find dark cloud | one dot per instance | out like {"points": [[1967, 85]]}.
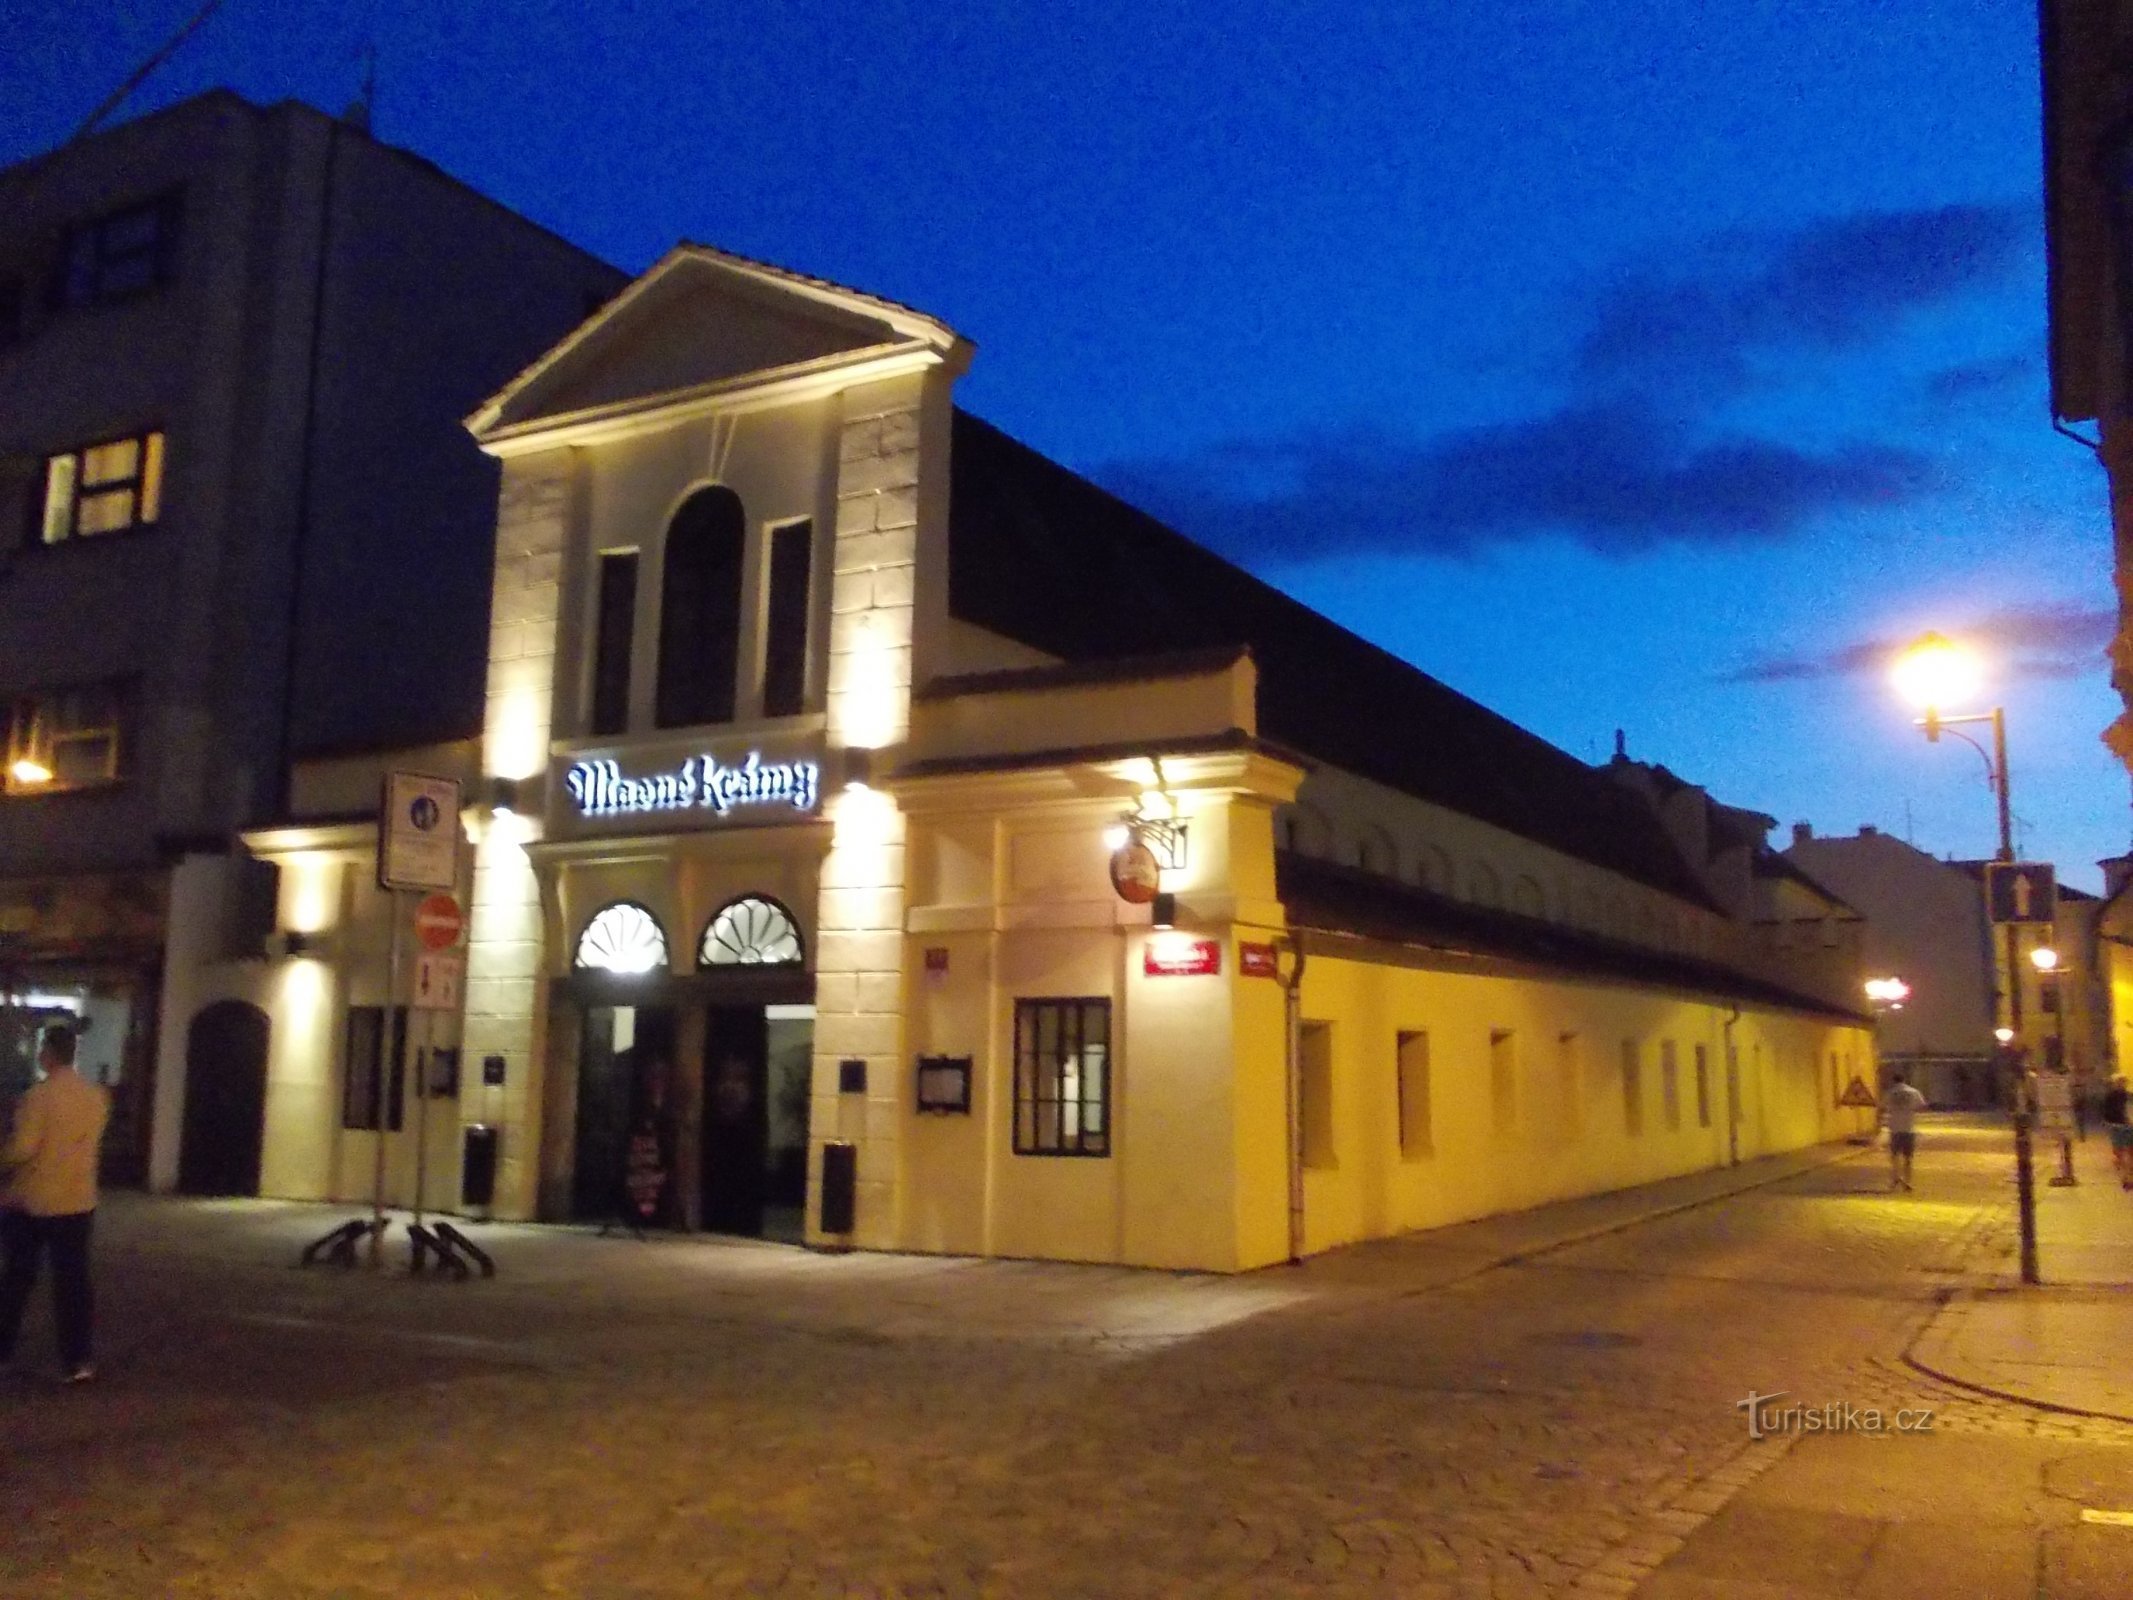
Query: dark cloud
{"points": [[1643, 446], [2048, 639], [1617, 477], [1833, 285], [1988, 379]]}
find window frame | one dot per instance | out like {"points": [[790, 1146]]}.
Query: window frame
{"points": [[787, 634], [386, 1099], [147, 485], [614, 641], [1028, 1137], [115, 725], [160, 249], [1413, 1093]]}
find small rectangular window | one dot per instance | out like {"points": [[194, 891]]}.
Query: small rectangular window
{"points": [[1063, 1077], [1669, 1085], [1412, 1066], [785, 633], [103, 488], [1570, 1084], [1503, 1080], [75, 738], [118, 256], [1703, 1087], [613, 632], [2048, 999], [1316, 1110], [1632, 1089], [359, 1070]]}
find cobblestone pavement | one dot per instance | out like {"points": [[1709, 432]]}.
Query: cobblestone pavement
{"points": [[624, 1420]]}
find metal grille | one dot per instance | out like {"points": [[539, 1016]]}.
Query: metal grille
{"points": [[1063, 1077]]}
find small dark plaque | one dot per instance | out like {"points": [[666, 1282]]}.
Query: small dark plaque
{"points": [[492, 1071], [852, 1075], [444, 1073], [944, 1085]]}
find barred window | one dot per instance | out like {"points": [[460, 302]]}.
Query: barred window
{"points": [[1062, 1077]]}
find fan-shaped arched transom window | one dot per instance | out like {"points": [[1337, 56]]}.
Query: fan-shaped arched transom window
{"points": [[751, 932], [623, 938]]}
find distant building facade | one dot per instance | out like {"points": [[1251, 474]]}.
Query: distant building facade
{"points": [[912, 845], [1927, 923], [235, 345]]}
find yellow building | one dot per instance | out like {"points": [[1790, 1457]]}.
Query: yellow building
{"points": [[893, 839]]}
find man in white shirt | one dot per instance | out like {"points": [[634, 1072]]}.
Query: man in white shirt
{"points": [[49, 1201], [1900, 1105]]}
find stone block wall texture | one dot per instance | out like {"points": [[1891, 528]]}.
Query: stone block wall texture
{"points": [[504, 1005], [860, 913]]}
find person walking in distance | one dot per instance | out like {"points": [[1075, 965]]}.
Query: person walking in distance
{"points": [[1900, 1105], [2118, 1128], [49, 1201]]}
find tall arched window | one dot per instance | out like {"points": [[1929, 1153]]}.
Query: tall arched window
{"points": [[700, 610]]}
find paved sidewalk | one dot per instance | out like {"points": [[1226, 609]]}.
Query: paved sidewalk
{"points": [[2067, 1343]]}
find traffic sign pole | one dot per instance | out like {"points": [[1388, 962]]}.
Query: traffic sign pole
{"points": [[383, 1086]]}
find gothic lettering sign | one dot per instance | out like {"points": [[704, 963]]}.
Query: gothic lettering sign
{"points": [[700, 783]]}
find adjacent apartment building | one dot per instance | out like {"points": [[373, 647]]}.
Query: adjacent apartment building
{"points": [[236, 342], [883, 835]]}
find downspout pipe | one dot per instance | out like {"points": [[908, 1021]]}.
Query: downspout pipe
{"points": [[1292, 1017]]}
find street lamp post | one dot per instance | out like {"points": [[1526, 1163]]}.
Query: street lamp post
{"points": [[1932, 673]]}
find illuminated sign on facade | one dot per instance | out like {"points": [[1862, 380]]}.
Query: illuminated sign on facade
{"points": [[599, 789]]}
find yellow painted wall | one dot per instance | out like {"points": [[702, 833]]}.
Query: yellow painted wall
{"points": [[1555, 1129]]}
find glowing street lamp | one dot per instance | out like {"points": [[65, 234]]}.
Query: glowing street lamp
{"points": [[30, 772], [1890, 993], [1935, 673]]}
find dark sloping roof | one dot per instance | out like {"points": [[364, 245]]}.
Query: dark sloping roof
{"points": [[1319, 895], [1049, 559]]}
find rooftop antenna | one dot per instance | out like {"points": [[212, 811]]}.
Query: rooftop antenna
{"points": [[140, 74], [1621, 745], [358, 114]]}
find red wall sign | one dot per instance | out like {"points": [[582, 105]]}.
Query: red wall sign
{"points": [[1181, 958], [1256, 960]]}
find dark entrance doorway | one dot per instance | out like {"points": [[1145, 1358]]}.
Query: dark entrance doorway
{"points": [[758, 1066], [225, 1100], [625, 1086]]}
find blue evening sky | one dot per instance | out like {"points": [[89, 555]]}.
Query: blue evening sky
{"points": [[1624, 363]]}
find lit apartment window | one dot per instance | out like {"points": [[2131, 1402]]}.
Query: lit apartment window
{"points": [[60, 739], [103, 488], [116, 257], [1062, 1077]]}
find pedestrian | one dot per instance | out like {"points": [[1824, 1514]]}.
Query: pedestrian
{"points": [[49, 1201], [2119, 1128], [1900, 1105]]}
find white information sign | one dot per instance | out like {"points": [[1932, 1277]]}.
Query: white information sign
{"points": [[2055, 1103], [440, 979], [418, 833]]}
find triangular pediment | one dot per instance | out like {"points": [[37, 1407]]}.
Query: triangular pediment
{"points": [[697, 321]]}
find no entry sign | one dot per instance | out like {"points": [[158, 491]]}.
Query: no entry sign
{"points": [[438, 923]]}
